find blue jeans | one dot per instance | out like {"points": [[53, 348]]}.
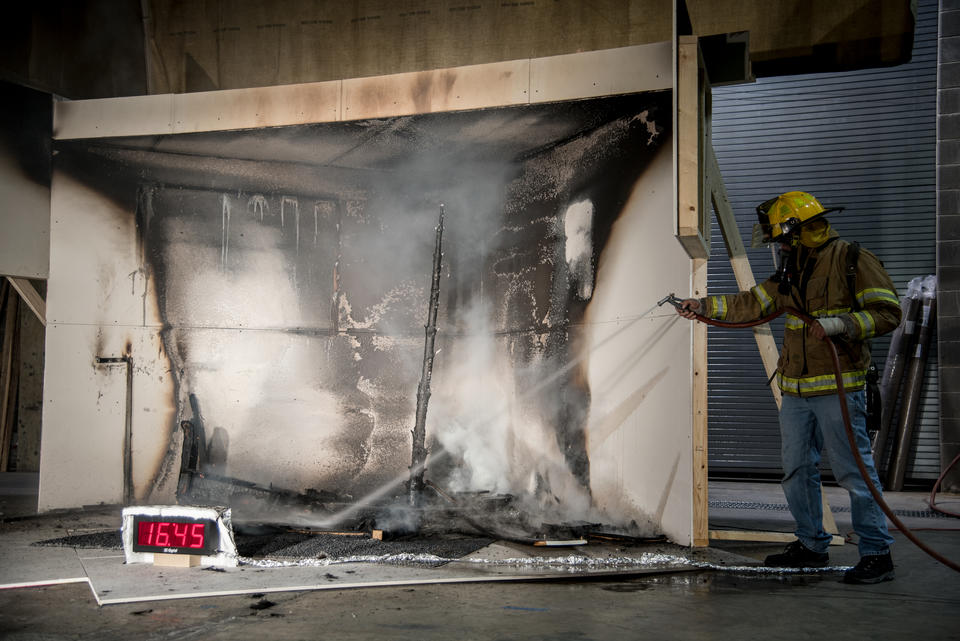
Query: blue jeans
{"points": [[806, 426]]}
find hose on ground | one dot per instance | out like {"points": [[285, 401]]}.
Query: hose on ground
{"points": [[851, 439]]}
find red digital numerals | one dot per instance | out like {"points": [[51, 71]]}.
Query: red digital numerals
{"points": [[170, 534]]}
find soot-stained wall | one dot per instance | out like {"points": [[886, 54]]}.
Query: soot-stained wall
{"points": [[280, 279], [25, 117]]}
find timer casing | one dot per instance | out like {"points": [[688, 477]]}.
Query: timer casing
{"points": [[152, 531]]}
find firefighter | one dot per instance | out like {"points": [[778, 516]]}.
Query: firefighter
{"points": [[852, 298]]}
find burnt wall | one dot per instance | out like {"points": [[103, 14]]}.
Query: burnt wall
{"points": [[292, 298]]}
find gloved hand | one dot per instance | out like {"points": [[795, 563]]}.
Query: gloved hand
{"points": [[690, 307], [828, 326]]}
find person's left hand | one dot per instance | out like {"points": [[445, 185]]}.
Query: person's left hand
{"points": [[817, 331], [821, 328]]}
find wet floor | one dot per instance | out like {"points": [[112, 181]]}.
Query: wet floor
{"points": [[923, 602], [688, 606]]}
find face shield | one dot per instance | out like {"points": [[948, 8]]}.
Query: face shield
{"points": [[767, 231]]}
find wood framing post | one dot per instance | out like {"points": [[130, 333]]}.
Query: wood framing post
{"points": [[693, 232], [9, 372], [701, 506], [740, 263], [693, 134], [31, 297]]}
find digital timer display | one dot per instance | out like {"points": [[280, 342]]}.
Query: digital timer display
{"points": [[175, 535]]}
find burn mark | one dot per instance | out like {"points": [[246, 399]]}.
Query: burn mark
{"points": [[291, 269], [431, 89]]}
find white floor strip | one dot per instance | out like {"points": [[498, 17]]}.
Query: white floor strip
{"points": [[37, 584]]}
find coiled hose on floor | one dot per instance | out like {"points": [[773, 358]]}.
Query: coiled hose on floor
{"points": [[851, 439]]}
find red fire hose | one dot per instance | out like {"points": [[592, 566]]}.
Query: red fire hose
{"points": [[838, 375]]}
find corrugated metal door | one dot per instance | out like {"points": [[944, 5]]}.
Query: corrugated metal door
{"points": [[864, 140]]}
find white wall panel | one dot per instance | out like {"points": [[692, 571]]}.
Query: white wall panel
{"points": [[25, 221], [84, 414], [96, 276], [597, 73], [553, 78], [640, 369]]}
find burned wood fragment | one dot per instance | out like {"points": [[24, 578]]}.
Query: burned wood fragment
{"points": [[419, 456]]}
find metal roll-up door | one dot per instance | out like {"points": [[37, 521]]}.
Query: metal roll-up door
{"points": [[865, 140]]}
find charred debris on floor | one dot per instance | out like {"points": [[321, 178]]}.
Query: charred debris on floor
{"points": [[288, 517]]}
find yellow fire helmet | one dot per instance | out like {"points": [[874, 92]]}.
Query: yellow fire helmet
{"points": [[781, 216]]}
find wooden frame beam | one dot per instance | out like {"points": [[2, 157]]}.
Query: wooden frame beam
{"points": [[31, 297], [741, 264], [701, 505], [9, 372], [693, 135], [763, 537]]}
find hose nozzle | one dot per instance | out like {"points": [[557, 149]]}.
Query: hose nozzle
{"points": [[672, 299]]}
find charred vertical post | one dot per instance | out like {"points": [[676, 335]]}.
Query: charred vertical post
{"points": [[419, 458]]}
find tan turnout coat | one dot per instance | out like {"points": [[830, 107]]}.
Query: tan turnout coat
{"points": [[805, 367]]}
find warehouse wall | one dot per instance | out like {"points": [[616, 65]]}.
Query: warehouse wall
{"points": [[948, 235], [237, 43], [109, 48]]}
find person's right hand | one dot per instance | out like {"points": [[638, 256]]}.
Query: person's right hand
{"points": [[689, 308]]}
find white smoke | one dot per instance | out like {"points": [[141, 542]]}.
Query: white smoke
{"points": [[491, 428]]}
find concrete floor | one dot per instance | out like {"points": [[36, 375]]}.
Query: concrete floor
{"points": [[923, 602]]}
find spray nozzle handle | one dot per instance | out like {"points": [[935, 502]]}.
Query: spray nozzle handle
{"points": [[672, 299]]}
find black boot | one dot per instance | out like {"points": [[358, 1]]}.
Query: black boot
{"points": [[797, 555], [871, 569]]}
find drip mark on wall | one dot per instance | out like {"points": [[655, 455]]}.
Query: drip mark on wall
{"points": [[258, 206], [225, 239]]}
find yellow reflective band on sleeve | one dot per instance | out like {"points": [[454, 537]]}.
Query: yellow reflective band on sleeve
{"points": [[877, 295], [766, 303], [825, 383], [865, 324], [830, 312], [718, 307], [792, 322]]}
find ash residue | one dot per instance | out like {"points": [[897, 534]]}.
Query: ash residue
{"points": [[266, 545], [107, 540], [298, 545], [333, 547]]}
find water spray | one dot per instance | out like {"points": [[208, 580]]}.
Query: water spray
{"points": [[439, 454]]}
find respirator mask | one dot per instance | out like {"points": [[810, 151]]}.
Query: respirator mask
{"points": [[783, 259]]}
